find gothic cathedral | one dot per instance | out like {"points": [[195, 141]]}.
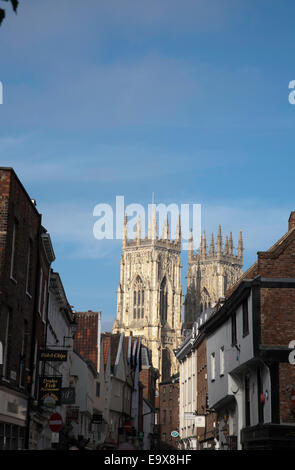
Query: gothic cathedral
{"points": [[210, 274], [149, 296]]}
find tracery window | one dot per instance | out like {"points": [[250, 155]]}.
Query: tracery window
{"points": [[163, 301], [138, 299]]}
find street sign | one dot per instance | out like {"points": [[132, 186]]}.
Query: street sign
{"points": [[189, 416], [200, 421], [175, 434], [54, 355], [49, 390], [55, 422], [67, 396]]}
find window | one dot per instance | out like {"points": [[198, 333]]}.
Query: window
{"points": [[170, 392], [245, 318], [170, 416], [164, 416], [221, 360], [213, 366], [164, 437], [11, 437], [164, 393], [138, 299], [233, 329], [163, 301]]}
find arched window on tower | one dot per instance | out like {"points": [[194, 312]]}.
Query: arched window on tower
{"points": [[138, 299], [163, 301]]}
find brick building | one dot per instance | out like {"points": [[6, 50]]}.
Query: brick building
{"points": [[25, 252], [251, 382], [87, 335], [169, 412]]}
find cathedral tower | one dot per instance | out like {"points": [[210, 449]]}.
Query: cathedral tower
{"points": [[149, 296], [210, 273]]}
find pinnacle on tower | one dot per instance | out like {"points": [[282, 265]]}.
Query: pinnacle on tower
{"points": [[219, 241], [178, 229], [211, 250], [230, 244], [225, 252], [240, 246], [125, 231], [190, 246], [203, 246], [165, 234], [150, 229], [154, 225], [138, 231]]}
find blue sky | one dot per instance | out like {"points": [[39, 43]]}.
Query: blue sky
{"points": [[188, 100]]}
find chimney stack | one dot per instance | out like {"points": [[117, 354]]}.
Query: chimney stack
{"points": [[292, 220]]}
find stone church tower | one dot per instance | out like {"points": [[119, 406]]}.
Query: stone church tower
{"points": [[149, 296], [210, 274]]}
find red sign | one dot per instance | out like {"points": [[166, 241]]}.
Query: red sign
{"points": [[55, 422]]}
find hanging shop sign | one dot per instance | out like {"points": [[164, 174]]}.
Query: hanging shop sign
{"points": [[50, 391], [68, 396], [54, 355]]}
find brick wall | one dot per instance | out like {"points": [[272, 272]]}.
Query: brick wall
{"points": [[280, 262], [16, 208], [168, 413], [277, 316]]}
